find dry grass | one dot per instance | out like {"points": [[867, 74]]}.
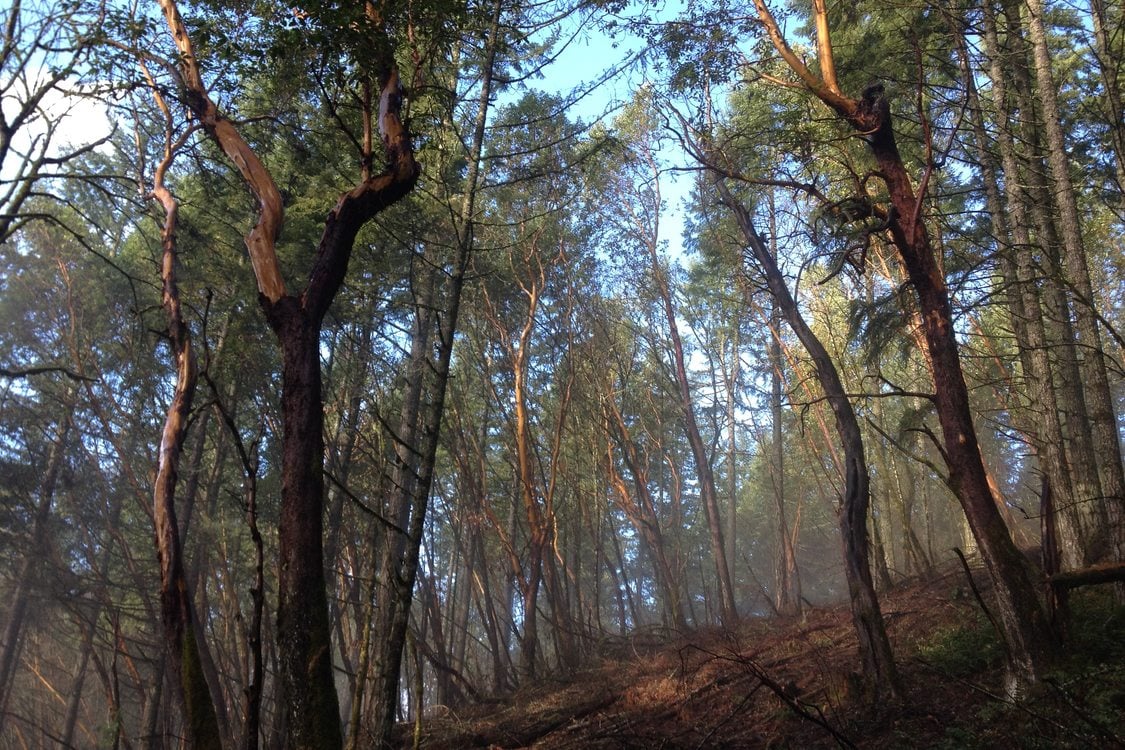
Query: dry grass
{"points": [[791, 683]]}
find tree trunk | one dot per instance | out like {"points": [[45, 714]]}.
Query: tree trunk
{"points": [[874, 646], [1026, 631], [306, 683], [1108, 50], [1076, 516], [787, 596], [1028, 639], [180, 631], [641, 512], [420, 425], [728, 612], [304, 638], [1099, 400], [28, 577], [731, 378], [1016, 265]]}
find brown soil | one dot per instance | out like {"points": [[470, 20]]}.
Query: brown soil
{"points": [[790, 683]]}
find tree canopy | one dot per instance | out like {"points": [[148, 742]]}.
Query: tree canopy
{"points": [[352, 372]]}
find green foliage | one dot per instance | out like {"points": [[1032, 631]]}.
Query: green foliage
{"points": [[963, 650], [1080, 704]]}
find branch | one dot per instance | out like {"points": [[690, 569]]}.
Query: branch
{"points": [[363, 202], [42, 369], [1095, 574], [262, 239], [826, 89]]}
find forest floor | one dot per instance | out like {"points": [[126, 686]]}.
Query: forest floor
{"points": [[790, 683]]}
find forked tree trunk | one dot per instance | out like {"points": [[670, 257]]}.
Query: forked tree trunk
{"points": [[306, 685]]}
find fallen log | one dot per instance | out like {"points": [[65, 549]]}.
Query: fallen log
{"points": [[1094, 574]]}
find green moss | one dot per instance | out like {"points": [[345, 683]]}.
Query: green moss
{"points": [[962, 650]]}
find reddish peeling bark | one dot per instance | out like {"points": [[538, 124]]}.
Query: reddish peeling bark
{"points": [[308, 694], [1026, 632]]}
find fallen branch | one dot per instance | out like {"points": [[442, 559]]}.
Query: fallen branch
{"points": [[1110, 572], [787, 694]]}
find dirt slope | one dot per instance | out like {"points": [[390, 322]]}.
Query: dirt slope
{"points": [[776, 683]]}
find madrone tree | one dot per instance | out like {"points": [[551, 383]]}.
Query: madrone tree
{"points": [[1028, 640], [307, 691]]}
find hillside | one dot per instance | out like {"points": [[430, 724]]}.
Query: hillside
{"points": [[788, 683]]}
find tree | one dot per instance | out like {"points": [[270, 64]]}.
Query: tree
{"points": [[1099, 401], [304, 641], [177, 610], [874, 647], [1028, 639], [43, 53], [417, 437], [638, 217]]}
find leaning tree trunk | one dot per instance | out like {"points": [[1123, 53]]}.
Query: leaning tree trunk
{"points": [[874, 646], [1026, 630], [1027, 635]]}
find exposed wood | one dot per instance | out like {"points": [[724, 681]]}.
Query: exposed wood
{"points": [[262, 239], [184, 655]]}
